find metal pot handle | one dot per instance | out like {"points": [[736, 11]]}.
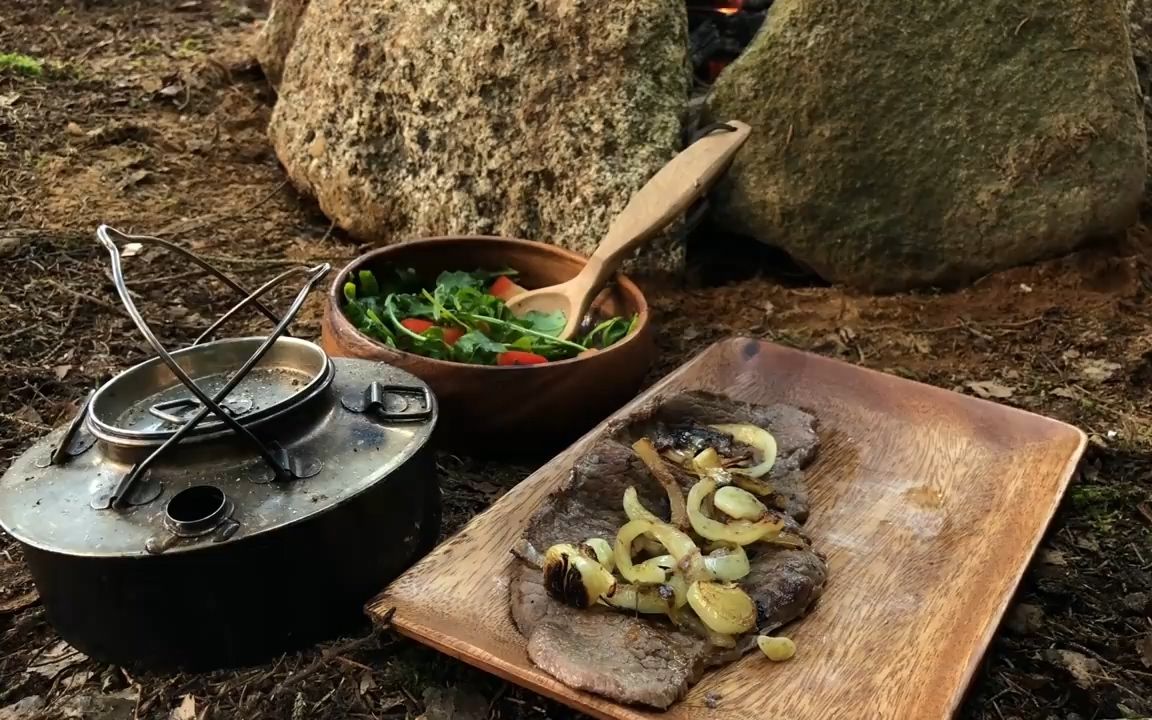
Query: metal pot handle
{"points": [[284, 466]]}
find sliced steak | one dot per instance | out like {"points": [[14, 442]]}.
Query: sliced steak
{"points": [[610, 653], [647, 660]]}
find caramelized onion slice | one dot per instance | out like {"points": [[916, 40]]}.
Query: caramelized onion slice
{"points": [[739, 504], [686, 619], [648, 599], [724, 608], [758, 438], [635, 510], [740, 532], [655, 464], [777, 649], [575, 579], [602, 551], [728, 564], [689, 561], [623, 554], [752, 485]]}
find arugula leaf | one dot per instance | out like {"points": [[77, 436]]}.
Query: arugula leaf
{"points": [[476, 347], [454, 281], [548, 323]]}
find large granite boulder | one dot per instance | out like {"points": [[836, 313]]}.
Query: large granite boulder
{"points": [[528, 119], [902, 143], [277, 36]]}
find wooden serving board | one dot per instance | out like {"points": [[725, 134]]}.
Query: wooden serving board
{"points": [[928, 503]]}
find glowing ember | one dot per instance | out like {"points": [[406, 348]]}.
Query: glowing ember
{"points": [[720, 30]]}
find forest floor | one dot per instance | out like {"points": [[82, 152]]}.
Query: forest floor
{"points": [[151, 116]]}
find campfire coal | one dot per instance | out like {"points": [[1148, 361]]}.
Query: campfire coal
{"points": [[719, 32]]}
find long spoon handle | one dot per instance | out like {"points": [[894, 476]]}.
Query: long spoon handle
{"points": [[670, 192]]}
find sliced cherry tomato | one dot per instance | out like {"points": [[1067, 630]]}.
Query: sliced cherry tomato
{"points": [[417, 325], [452, 334], [505, 289], [519, 357]]}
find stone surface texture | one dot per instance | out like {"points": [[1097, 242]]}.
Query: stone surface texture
{"points": [[531, 119], [277, 36], [898, 143]]}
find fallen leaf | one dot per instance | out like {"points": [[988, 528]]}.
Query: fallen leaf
{"points": [[1138, 603], [1053, 557], [25, 709], [1065, 393], [1145, 510], [186, 710], [29, 414], [131, 250], [134, 179], [9, 246], [18, 603], [151, 84], [112, 706], [454, 704], [9, 99], [1097, 371], [989, 390], [367, 683], [1085, 671], [61, 371], [56, 659], [1025, 619], [1146, 651], [172, 90], [1070, 354], [1087, 543]]}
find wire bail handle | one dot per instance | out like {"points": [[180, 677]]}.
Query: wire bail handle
{"points": [[273, 454]]}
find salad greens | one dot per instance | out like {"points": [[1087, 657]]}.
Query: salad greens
{"points": [[460, 319]]}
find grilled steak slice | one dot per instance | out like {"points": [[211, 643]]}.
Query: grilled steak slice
{"points": [[610, 653], [647, 660], [694, 438]]}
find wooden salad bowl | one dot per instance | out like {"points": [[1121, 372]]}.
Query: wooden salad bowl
{"points": [[532, 407]]}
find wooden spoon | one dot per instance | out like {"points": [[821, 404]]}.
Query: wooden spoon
{"points": [[667, 195]]}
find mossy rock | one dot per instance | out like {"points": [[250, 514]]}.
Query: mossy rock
{"points": [[899, 143]]}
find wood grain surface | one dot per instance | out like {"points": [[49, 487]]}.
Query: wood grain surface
{"points": [[929, 505]]}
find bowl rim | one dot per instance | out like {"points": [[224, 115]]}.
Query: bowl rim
{"points": [[336, 313]]}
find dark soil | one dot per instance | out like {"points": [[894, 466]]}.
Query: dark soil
{"points": [[150, 117]]}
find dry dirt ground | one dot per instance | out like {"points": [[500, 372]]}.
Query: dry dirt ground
{"points": [[148, 116]]}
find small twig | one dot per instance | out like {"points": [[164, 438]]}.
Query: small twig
{"points": [[328, 232], [83, 296], [1021, 26], [173, 231], [38, 427], [495, 699], [353, 663], [17, 332], [326, 656]]}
